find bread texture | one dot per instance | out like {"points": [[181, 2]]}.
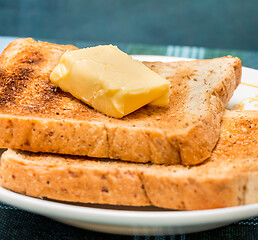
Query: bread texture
{"points": [[37, 116], [228, 178]]}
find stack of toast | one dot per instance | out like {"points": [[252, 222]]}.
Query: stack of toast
{"points": [[190, 155]]}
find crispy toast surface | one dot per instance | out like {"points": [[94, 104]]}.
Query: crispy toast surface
{"points": [[228, 178], [37, 116]]}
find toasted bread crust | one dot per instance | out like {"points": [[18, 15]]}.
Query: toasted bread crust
{"points": [[36, 116], [228, 178]]}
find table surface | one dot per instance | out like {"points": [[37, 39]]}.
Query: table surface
{"points": [[18, 224]]}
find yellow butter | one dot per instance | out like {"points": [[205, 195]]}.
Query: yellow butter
{"points": [[109, 80]]}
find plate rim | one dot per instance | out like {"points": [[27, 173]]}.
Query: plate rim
{"points": [[125, 217]]}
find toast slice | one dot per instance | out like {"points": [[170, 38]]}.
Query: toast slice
{"points": [[228, 178], [37, 116]]}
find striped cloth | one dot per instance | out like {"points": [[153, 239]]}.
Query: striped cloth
{"points": [[249, 58], [18, 224]]}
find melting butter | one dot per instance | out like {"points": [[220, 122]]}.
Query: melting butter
{"points": [[109, 80]]}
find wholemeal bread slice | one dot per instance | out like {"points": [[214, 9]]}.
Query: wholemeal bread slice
{"points": [[228, 178], [39, 117]]}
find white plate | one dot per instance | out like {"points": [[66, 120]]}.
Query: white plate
{"points": [[147, 221]]}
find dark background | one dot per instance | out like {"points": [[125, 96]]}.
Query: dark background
{"points": [[231, 24]]}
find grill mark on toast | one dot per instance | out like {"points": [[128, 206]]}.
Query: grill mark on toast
{"points": [[14, 80], [34, 58], [13, 84], [29, 75]]}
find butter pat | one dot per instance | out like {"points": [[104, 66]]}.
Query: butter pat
{"points": [[109, 80]]}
